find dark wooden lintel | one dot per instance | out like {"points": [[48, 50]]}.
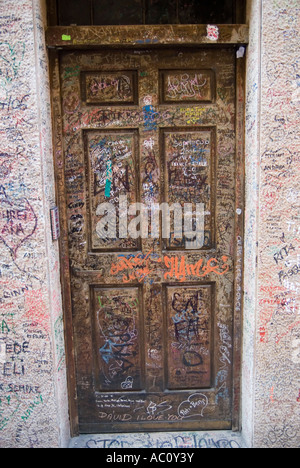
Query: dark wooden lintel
{"points": [[143, 36]]}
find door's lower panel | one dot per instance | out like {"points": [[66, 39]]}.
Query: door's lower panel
{"points": [[132, 412], [193, 382], [111, 428], [136, 412]]}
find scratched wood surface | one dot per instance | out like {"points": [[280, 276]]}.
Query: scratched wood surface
{"points": [[109, 88], [153, 319], [141, 36], [112, 161], [193, 86]]}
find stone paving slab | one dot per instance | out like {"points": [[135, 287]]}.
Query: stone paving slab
{"points": [[168, 440]]}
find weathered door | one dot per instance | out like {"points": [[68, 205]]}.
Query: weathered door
{"points": [[152, 312]]}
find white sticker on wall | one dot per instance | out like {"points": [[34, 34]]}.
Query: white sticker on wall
{"points": [[2, 352], [213, 32]]}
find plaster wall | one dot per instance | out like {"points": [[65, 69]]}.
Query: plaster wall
{"points": [[271, 349], [33, 391], [33, 396]]}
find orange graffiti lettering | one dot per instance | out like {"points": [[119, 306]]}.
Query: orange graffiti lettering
{"points": [[138, 264], [138, 267], [180, 270]]}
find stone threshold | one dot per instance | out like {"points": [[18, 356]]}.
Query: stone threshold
{"points": [[166, 440]]}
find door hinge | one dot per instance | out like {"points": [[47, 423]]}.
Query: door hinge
{"points": [[55, 225]]}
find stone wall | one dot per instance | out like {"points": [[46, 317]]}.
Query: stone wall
{"points": [[271, 357], [33, 398], [33, 394]]}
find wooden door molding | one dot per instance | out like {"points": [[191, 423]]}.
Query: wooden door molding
{"points": [[79, 37], [60, 180], [58, 159]]}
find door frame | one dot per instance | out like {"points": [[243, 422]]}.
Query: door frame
{"points": [[99, 37]]}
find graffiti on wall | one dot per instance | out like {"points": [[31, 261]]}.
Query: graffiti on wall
{"points": [[184, 440], [26, 360], [275, 190], [26, 352]]}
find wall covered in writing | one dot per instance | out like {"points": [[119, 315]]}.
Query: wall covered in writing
{"points": [[33, 396], [33, 408], [271, 370]]}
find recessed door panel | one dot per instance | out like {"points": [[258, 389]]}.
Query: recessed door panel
{"points": [[189, 311], [189, 165], [118, 339], [187, 86], [104, 88], [113, 179]]}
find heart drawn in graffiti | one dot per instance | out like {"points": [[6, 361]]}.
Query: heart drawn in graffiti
{"points": [[18, 222]]}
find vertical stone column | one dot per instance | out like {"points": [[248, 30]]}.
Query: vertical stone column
{"points": [[33, 395], [252, 155], [271, 371]]}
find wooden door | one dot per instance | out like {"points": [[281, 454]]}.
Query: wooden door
{"points": [[152, 312]]}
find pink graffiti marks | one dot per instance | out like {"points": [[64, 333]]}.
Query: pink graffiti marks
{"points": [[18, 222], [36, 310], [285, 333]]}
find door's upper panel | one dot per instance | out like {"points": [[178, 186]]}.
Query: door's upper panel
{"points": [[137, 12]]}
